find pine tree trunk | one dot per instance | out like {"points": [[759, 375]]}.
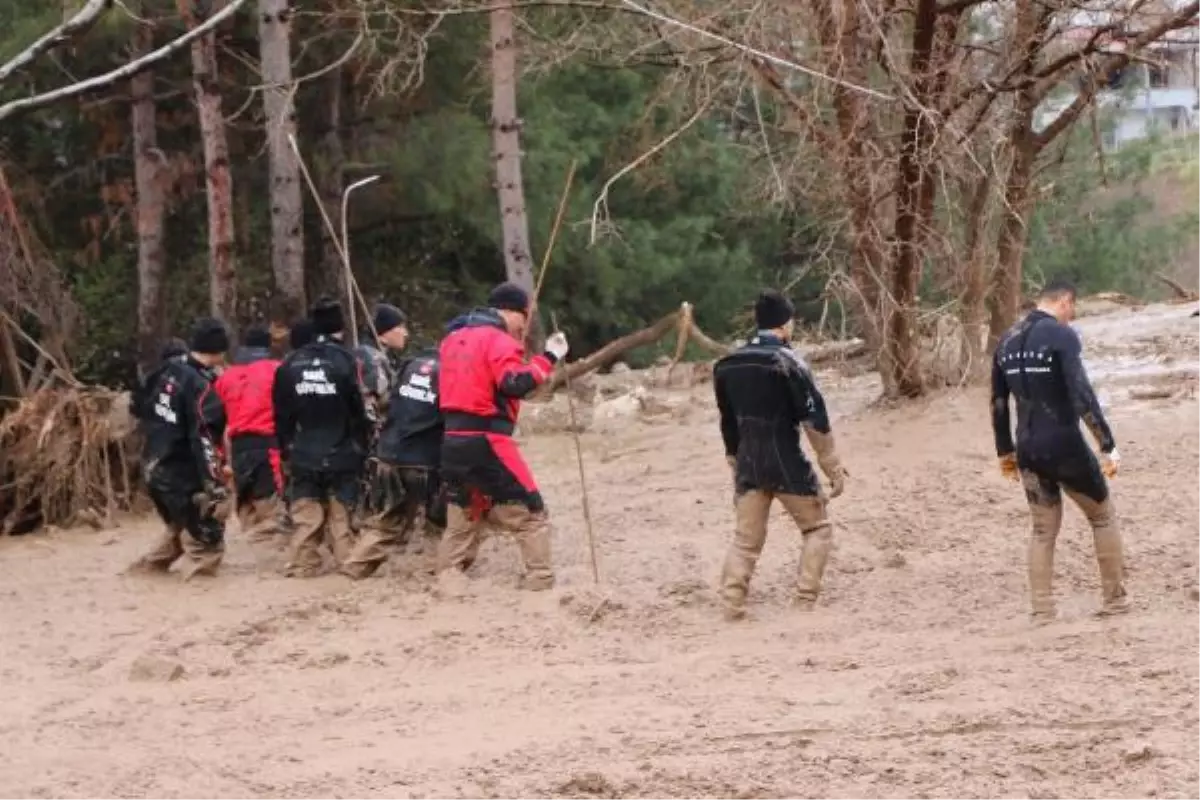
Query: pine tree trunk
{"points": [[149, 177], [506, 143], [218, 181], [287, 222], [330, 179]]}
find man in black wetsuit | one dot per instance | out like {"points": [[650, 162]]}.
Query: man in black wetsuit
{"points": [[766, 394], [1039, 361]]}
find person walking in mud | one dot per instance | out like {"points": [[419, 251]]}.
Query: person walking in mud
{"points": [[1039, 362], [245, 390], [765, 394], [182, 422], [483, 378], [322, 425], [409, 453]]}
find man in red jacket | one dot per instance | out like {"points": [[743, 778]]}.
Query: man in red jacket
{"points": [[245, 390], [483, 378]]}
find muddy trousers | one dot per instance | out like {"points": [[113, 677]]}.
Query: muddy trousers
{"points": [[1046, 511], [531, 530], [752, 510], [402, 496], [322, 513], [195, 541]]}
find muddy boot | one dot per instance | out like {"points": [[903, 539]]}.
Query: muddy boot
{"points": [[1047, 520], [308, 529], [750, 534], [1110, 556], [260, 521], [811, 517], [203, 547], [340, 531], [167, 549], [532, 533], [372, 550], [1045, 514], [460, 541]]}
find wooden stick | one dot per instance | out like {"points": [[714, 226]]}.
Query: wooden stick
{"points": [[333, 234], [558, 218], [587, 511]]}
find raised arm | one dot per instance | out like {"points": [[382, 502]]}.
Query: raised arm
{"points": [[513, 377]]}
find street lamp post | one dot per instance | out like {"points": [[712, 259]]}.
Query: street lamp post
{"points": [[350, 285]]}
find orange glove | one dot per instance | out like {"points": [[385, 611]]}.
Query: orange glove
{"points": [[1008, 467], [1110, 463]]}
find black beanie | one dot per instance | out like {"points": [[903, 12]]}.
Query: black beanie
{"points": [[173, 347], [509, 297], [327, 317], [301, 334], [772, 310], [257, 336], [388, 317], [208, 337]]}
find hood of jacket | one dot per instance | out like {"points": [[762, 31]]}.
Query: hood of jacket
{"points": [[248, 355], [475, 318]]}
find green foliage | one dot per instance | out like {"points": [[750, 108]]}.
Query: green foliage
{"points": [[1105, 224]]}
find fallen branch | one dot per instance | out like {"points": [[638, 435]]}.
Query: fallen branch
{"points": [[121, 73], [850, 348], [1181, 294], [614, 349], [84, 19]]}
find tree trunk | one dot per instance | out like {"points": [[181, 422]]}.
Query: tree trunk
{"points": [[1010, 241], [326, 279], [978, 275], [218, 181], [915, 189], [148, 163], [506, 143], [287, 210]]}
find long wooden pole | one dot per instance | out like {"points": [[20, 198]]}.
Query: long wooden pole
{"points": [[583, 492], [333, 234]]}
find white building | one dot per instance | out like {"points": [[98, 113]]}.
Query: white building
{"points": [[1159, 93]]}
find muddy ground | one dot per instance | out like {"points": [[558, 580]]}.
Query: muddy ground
{"points": [[919, 674]]}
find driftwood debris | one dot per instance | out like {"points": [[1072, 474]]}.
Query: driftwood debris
{"points": [[66, 455], [683, 322], [1182, 295]]}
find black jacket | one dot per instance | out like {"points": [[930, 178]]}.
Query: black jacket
{"points": [[183, 422], [1039, 361], [320, 418], [412, 432], [765, 393]]}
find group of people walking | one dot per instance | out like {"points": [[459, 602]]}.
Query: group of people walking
{"points": [[336, 448]]}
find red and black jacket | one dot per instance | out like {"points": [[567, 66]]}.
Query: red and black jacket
{"points": [[484, 375], [245, 390]]}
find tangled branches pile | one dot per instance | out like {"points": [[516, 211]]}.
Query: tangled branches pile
{"points": [[67, 455]]}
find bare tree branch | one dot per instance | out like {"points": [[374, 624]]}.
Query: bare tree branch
{"points": [[121, 73], [84, 18], [1181, 18]]}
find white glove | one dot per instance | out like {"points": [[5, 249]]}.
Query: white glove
{"points": [[557, 346]]}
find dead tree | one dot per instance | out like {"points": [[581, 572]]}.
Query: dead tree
{"points": [[149, 167], [506, 144], [217, 178], [287, 222]]}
